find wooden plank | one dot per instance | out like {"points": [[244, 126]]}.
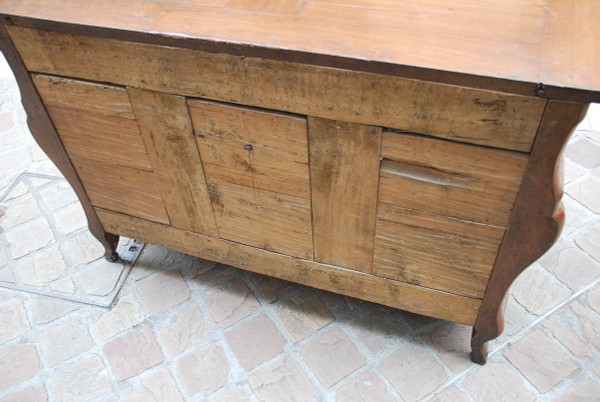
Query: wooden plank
{"points": [[278, 156], [457, 180], [120, 189], [435, 251], [274, 222], [344, 171], [167, 131], [83, 96], [463, 114], [392, 293], [100, 137]]}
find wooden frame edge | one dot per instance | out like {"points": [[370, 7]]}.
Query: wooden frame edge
{"points": [[317, 59], [536, 220]]}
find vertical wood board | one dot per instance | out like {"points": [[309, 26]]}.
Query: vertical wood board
{"points": [[167, 131], [344, 172]]}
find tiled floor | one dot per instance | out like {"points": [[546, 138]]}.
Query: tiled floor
{"points": [[188, 329]]}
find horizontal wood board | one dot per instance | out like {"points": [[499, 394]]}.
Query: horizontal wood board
{"points": [[252, 147], [445, 178], [466, 115], [435, 251], [510, 41], [264, 219], [103, 138], [83, 96], [116, 188], [94, 121], [392, 293]]}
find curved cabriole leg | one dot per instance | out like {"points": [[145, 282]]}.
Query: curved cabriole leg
{"points": [[45, 134], [535, 222], [479, 352]]}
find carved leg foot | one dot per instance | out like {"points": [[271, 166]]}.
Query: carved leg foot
{"points": [[479, 353], [110, 241], [479, 347]]}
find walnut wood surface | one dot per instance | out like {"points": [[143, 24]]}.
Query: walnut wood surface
{"points": [[251, 147], [466, 115], [536, 221], [457, 180], [166, 127], [45, 135], [514, 42], [396, 294], [344, 171], [435, 251]]}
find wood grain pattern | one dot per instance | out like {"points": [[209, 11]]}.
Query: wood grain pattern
{"points": [[535, 223], [466, 115], [515, 42], [167, 131], [396, 294], [457, 180], [116, 188], [83, 96], [435, 251], [274, 222], [44, 133], [103, 138], [570, 51], [278, 156], [344, 172]]}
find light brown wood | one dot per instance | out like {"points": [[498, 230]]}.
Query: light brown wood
{"points": [[344, 171], [570, 51], [457, 180], [517, 43], [473, 116], [103, 138], [401, 295], [167, 131], [268, 6], [116, 188], [435, 251], [277, 158], [83, 96], [274, 222]]}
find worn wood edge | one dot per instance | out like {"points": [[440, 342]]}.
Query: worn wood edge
{"points": [[317, 59], [536, 220], [44, 132], [395, 294]]}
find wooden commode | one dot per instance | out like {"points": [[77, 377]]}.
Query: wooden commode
{"points": [[406, 153]]}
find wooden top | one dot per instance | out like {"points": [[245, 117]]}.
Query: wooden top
{"points": [[505, 45]]}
